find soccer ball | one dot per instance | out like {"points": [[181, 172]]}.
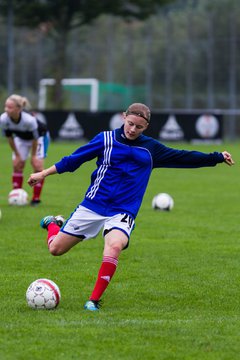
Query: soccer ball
{"points": [[43, 294], [162, 202], [18, 197], [0, 214]]}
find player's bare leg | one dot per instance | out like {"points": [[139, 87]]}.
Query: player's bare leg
{"points": [[58, 243], [62, 243], [115, 241]]}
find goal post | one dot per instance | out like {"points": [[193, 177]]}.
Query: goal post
{"points": [[94, 92]]}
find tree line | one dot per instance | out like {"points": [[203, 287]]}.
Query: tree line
{"points": [[173, 54]]}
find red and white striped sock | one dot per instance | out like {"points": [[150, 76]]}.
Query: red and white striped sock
{"points": [[105, 274]]}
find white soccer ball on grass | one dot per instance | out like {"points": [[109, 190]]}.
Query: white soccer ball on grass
{"points": [[18, 197], [163, 202], [43, 294]]}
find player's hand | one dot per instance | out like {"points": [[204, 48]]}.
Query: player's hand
{"points": [[35, 178], [228, 158]]}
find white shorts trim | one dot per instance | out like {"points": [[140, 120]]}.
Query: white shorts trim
{"points": [[86, 223]]}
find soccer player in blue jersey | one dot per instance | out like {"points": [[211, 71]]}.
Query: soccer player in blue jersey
{"points": [[125, 160], [26, 136]]}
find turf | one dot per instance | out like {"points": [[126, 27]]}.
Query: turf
{"points": [[175, 294]]}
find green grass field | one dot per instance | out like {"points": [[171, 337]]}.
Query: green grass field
{"points": [[175, 294]]}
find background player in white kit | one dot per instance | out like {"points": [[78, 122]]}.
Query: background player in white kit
{"points": [[26, 136]]}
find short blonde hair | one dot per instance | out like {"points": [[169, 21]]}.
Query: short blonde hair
{"points": [[21, 101]]}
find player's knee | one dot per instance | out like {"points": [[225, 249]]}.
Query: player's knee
{"points": [[117, 248], [18, 168], [113, 249], [55, 250]]}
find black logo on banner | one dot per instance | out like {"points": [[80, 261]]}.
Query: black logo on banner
{"points": [[71, 129], [171, 130]]}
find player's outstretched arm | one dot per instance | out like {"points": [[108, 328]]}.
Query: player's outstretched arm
{"points": [[228, 158], [39, 176]]}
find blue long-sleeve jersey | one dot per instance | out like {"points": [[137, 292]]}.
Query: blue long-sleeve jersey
{"points": [[123, 169]]}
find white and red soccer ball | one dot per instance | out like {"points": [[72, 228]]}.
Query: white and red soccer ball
{"points": [[18, 197], [43, 294]]}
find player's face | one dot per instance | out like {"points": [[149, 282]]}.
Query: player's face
{"points": [[12, 109], [134, 126]]}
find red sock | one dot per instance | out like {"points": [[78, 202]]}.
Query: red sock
{"points": [[17, 180], [53, 230], [37, 190], [106, 272]]}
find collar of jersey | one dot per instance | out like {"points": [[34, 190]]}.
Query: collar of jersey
{"points": [[121, 137]]}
